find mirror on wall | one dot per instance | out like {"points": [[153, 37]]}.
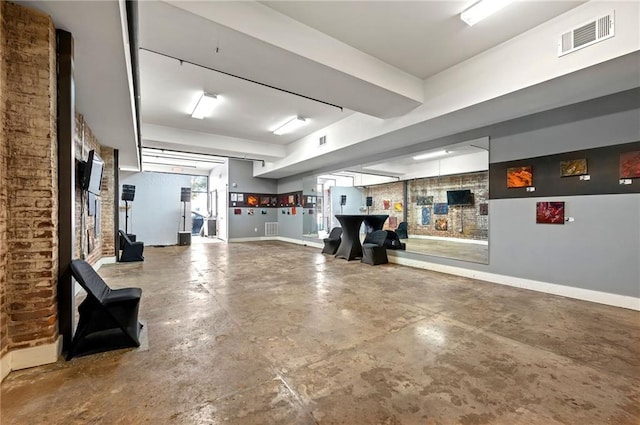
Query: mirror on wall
{"points": [[436, 199]]}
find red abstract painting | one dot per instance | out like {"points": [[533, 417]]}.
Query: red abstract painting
{"points": [[630, 165], [550, 212]]}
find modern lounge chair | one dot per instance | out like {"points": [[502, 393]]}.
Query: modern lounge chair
{"points": [[108, 317], [402, 230], [332, 243], [373, 249], [131, 251]]}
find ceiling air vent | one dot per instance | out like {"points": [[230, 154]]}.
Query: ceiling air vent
{"points": [[585, 35], [323, 140]]}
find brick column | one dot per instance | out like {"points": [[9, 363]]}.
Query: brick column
{"points": [[30, 178], [4, 336]]}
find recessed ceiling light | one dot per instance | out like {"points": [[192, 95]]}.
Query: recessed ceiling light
{"points": [[289, 126], [431, 155], [481, 10], [205, 105]]}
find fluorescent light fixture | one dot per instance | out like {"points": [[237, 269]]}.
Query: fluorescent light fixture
{"points": [[205, 106], [430, 155], [481, 10], [289, 126]]}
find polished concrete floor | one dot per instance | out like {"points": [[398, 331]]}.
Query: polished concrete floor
{"points": [[274, 333], [465, 251]]}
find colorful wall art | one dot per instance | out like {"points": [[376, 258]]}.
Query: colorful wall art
{"points": [[426, 216], [630, 165], [424, 200], [393, 222], [520, 177], [386, 204], [441, 224], [574, 167], [550, 212], [237, 211], [397, 206], [250, 211], [484, 209], [440, 208]]}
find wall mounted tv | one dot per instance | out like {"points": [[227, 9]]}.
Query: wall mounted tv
{"points": [[459, 197], [91, 175]]}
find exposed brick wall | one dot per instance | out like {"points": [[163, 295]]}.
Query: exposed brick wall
{"points": [[92, 245], [4, 336], [468, 218], [30, 177]]}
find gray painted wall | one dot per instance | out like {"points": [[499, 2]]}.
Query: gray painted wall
{"points": [[156, 213], [290, 226], [241, 180], [600, 250], [355, 200]]}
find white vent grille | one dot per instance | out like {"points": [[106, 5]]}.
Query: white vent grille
{"points": [[585, 35], [271, 229], [323, 140]]}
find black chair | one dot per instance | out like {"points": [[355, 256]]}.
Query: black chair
{"points": [[131, 251], [332, 243], [373, 249], [393, 241], [108, 317], [402, 230]]}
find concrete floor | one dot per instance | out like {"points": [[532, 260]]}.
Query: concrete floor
{"points": [[274, 333], [465, 251]]}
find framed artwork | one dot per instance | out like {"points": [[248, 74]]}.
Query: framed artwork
{"points": [[265, 200], [252, 200], [441, 224], [274, 200], [293, 210], [520, 177], [292, 199], [630, 165], [240, 197], [484, 209], [284, 211], [393, 222], [234, 197], [386, 204], [397, 206], [550, 212], [574, 167], [263, 211], [426, 216], [250, 211], [237, 211], [441, 208], [424, 200]]}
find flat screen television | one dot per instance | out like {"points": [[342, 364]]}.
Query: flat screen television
{"points": [[459, 197], [91, 178]]}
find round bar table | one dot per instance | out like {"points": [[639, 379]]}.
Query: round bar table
{"points": [[375, 222], [350, 247]]}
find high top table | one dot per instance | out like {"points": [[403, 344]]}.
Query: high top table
{"points": [[350, 247]]}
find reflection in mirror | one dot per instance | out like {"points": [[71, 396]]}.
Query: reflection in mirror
{"points": [[312, 208], [437, 200]]}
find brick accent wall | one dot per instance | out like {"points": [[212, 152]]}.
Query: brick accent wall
{"points": [[473, 224], [91, 244], [29, 178], [4, 336]]}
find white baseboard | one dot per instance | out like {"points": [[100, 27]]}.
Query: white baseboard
{"points": [[442, 238], [300, 242], [102, 261], [615, 300], [254, 239], [31, 357]]}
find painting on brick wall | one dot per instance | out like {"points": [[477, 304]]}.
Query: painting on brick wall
{"points": [[440, 208], [630, 165], [393, 222], [386, 204], [574, 167], [484, 209], [397, 207], [424, 200], [550, 212], [519, 177], [426, 216], [441, 224]]}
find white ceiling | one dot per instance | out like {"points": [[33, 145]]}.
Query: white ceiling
{"points": [[419, 37], [367, 57]]}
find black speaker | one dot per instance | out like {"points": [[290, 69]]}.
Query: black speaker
{"points": [[128, 192], [185, 194], [343, 199], [369, 201]]}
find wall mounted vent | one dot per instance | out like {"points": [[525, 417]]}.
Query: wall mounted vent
{"points": [[271, 228], [323, 140], [585, 35]]}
